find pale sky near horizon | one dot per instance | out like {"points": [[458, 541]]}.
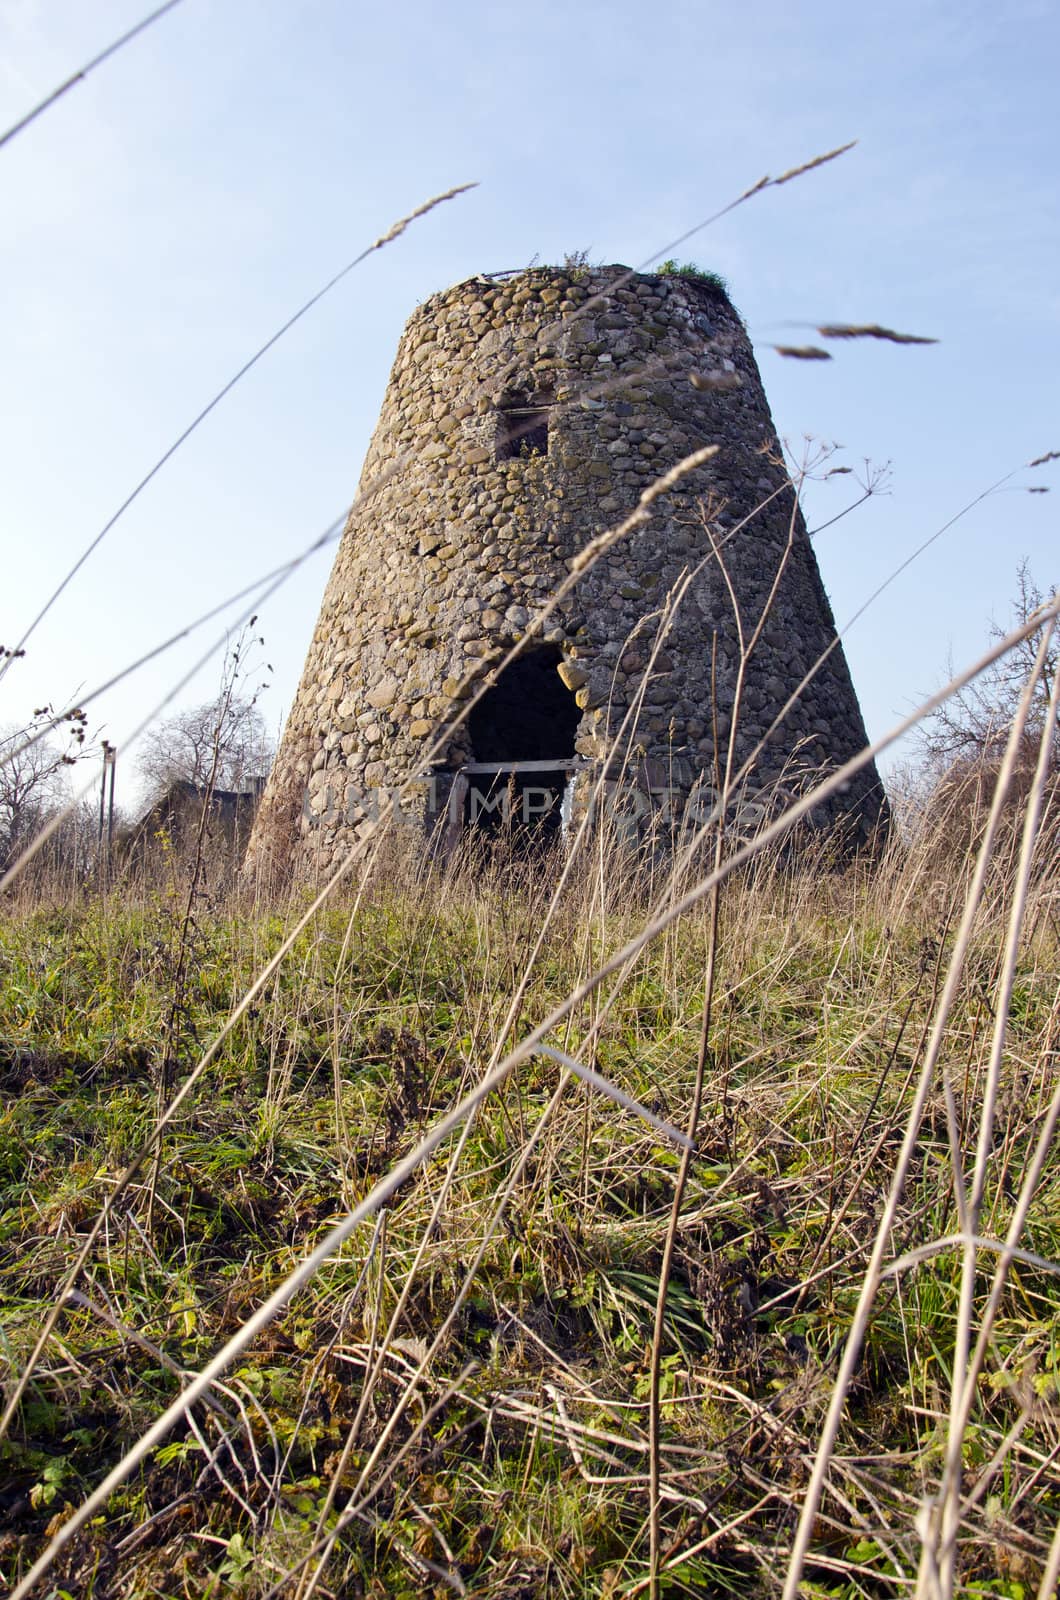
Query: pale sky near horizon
{"points": [[175, 208]]}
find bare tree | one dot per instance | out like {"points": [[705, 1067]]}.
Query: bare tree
{"points": [[33, 778], [962, 744], [972, 727], [223, 744]]}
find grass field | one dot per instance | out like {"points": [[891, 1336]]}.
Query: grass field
{"points": [[459, 1398], [598, 1224]]}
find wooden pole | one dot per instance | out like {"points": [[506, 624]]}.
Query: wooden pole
{"points": [[113, 758]]}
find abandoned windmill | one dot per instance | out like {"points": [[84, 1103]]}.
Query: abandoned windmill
{"points": [[525, 415]]}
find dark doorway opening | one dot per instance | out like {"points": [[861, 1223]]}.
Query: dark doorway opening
{"points": [[523, 428], [523, 729], [528, 714]]}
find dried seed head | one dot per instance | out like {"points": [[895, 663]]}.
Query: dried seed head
{"points": [[803, 352], [870, 330], [717, 380], [398, 228], [817, 161]]}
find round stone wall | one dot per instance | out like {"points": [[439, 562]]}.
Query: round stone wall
{"points": [[524, 416]]}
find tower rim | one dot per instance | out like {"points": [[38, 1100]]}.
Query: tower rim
{"points": [[601, 277]]}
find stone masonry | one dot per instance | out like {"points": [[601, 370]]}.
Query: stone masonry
{"points": [[524, 416]]}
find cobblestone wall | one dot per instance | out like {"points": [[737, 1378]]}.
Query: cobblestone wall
{"points": [[523, 417]]}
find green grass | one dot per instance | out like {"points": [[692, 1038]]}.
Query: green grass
{"points": [[520, 1462], [688, 269]]}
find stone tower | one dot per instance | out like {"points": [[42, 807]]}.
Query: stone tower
{"points": [[526, 414]]}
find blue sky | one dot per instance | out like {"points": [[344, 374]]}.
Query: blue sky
{"points": [[164, 218]]}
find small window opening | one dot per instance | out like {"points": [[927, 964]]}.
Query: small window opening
{"points": [[523, 429]]}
